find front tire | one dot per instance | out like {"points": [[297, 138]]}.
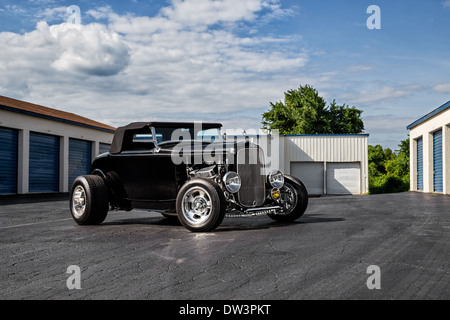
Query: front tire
{"points": [[89, 200], [295, 198], [200, 205]]}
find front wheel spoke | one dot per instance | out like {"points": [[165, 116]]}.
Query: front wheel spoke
{"points": [[289, 199], [202, 194], [197, 205], [190, 199]]}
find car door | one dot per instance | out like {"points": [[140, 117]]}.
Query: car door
{"points": [[146, 176]]}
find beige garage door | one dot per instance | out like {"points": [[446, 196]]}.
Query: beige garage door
{"points": [[343, 178], [311, 174]]}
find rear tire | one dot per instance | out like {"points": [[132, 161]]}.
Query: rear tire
{"points": [[200, 205], [293, 191], [89, 200]]}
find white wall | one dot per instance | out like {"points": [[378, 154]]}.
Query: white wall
{"points": [[329, 149], [26, 124], [426, 130]]}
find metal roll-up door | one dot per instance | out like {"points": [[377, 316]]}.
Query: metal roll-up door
{"points": [[80, 155], [104, 148], [437, 162], [8, 161], [311, 174], [420, 164], [44, 163], [343, 178]]}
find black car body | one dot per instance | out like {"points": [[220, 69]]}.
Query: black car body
{"points": [[185, 170]]}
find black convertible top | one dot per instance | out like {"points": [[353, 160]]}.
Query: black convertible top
{"points": [[145, 127]]}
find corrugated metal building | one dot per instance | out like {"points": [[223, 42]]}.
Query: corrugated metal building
{"points": [[43, 149], [430, 151], [327, 164]]}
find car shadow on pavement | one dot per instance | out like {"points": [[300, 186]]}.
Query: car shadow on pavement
{"points": [[255, 225], [229, 224], [317, 218], [162, 221]]}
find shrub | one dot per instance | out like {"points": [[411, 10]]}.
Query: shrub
{"points": [[388, 184]]}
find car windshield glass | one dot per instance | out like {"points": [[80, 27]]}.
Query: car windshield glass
{"points": [[177, 134], [145, 138], [210, 135]]}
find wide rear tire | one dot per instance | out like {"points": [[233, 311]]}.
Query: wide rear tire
{"points": [[89, 200]]}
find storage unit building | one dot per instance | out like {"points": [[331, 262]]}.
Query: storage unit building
{"points": [[430, 151], [43, 149], [327, 164], [80, 158], [43, 174], [8, 160]]}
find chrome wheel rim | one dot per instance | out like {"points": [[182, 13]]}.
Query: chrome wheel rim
{"points": [[79, 202], [196, 205], [289, 197]]}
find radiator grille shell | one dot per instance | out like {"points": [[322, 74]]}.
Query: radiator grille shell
{"points": [[250, 167]]}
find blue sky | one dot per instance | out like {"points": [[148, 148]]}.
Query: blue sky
{"points": [[227, 60]]}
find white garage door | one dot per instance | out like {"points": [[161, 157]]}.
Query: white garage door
{"points": [[343, 178], [311, 174]]}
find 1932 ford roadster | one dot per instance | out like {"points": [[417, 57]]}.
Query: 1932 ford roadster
{"points": [[185, 170]]}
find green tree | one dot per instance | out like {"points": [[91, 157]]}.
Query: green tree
{"points": [[389, 171], [398, 166], [305, 112], [377, 160], [343, 119]]}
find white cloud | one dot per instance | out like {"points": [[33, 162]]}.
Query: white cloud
{"points": [[172, 65], [387, 129], [100, 13], [88, 50], [387, 123], [385, 93], [53, 14], [446, 3], [442, 87], [14, 9], [42, 2], [207, 12], [91, 50], [360, 68]]}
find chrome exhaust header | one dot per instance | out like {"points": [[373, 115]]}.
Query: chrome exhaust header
{"points": [[253, 212]]}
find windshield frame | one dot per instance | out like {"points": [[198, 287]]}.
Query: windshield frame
{"points": [[193, 131]]}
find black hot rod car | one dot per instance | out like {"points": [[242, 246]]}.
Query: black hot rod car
{"points": [[185, 170]]}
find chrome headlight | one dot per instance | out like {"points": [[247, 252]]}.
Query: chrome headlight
{"points": [[276, 179], [232, 182]]}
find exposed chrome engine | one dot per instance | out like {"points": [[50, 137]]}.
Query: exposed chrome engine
{"points": [[246, 190]]}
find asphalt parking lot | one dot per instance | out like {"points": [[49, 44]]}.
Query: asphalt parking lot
{"points": [[139, 255]]}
